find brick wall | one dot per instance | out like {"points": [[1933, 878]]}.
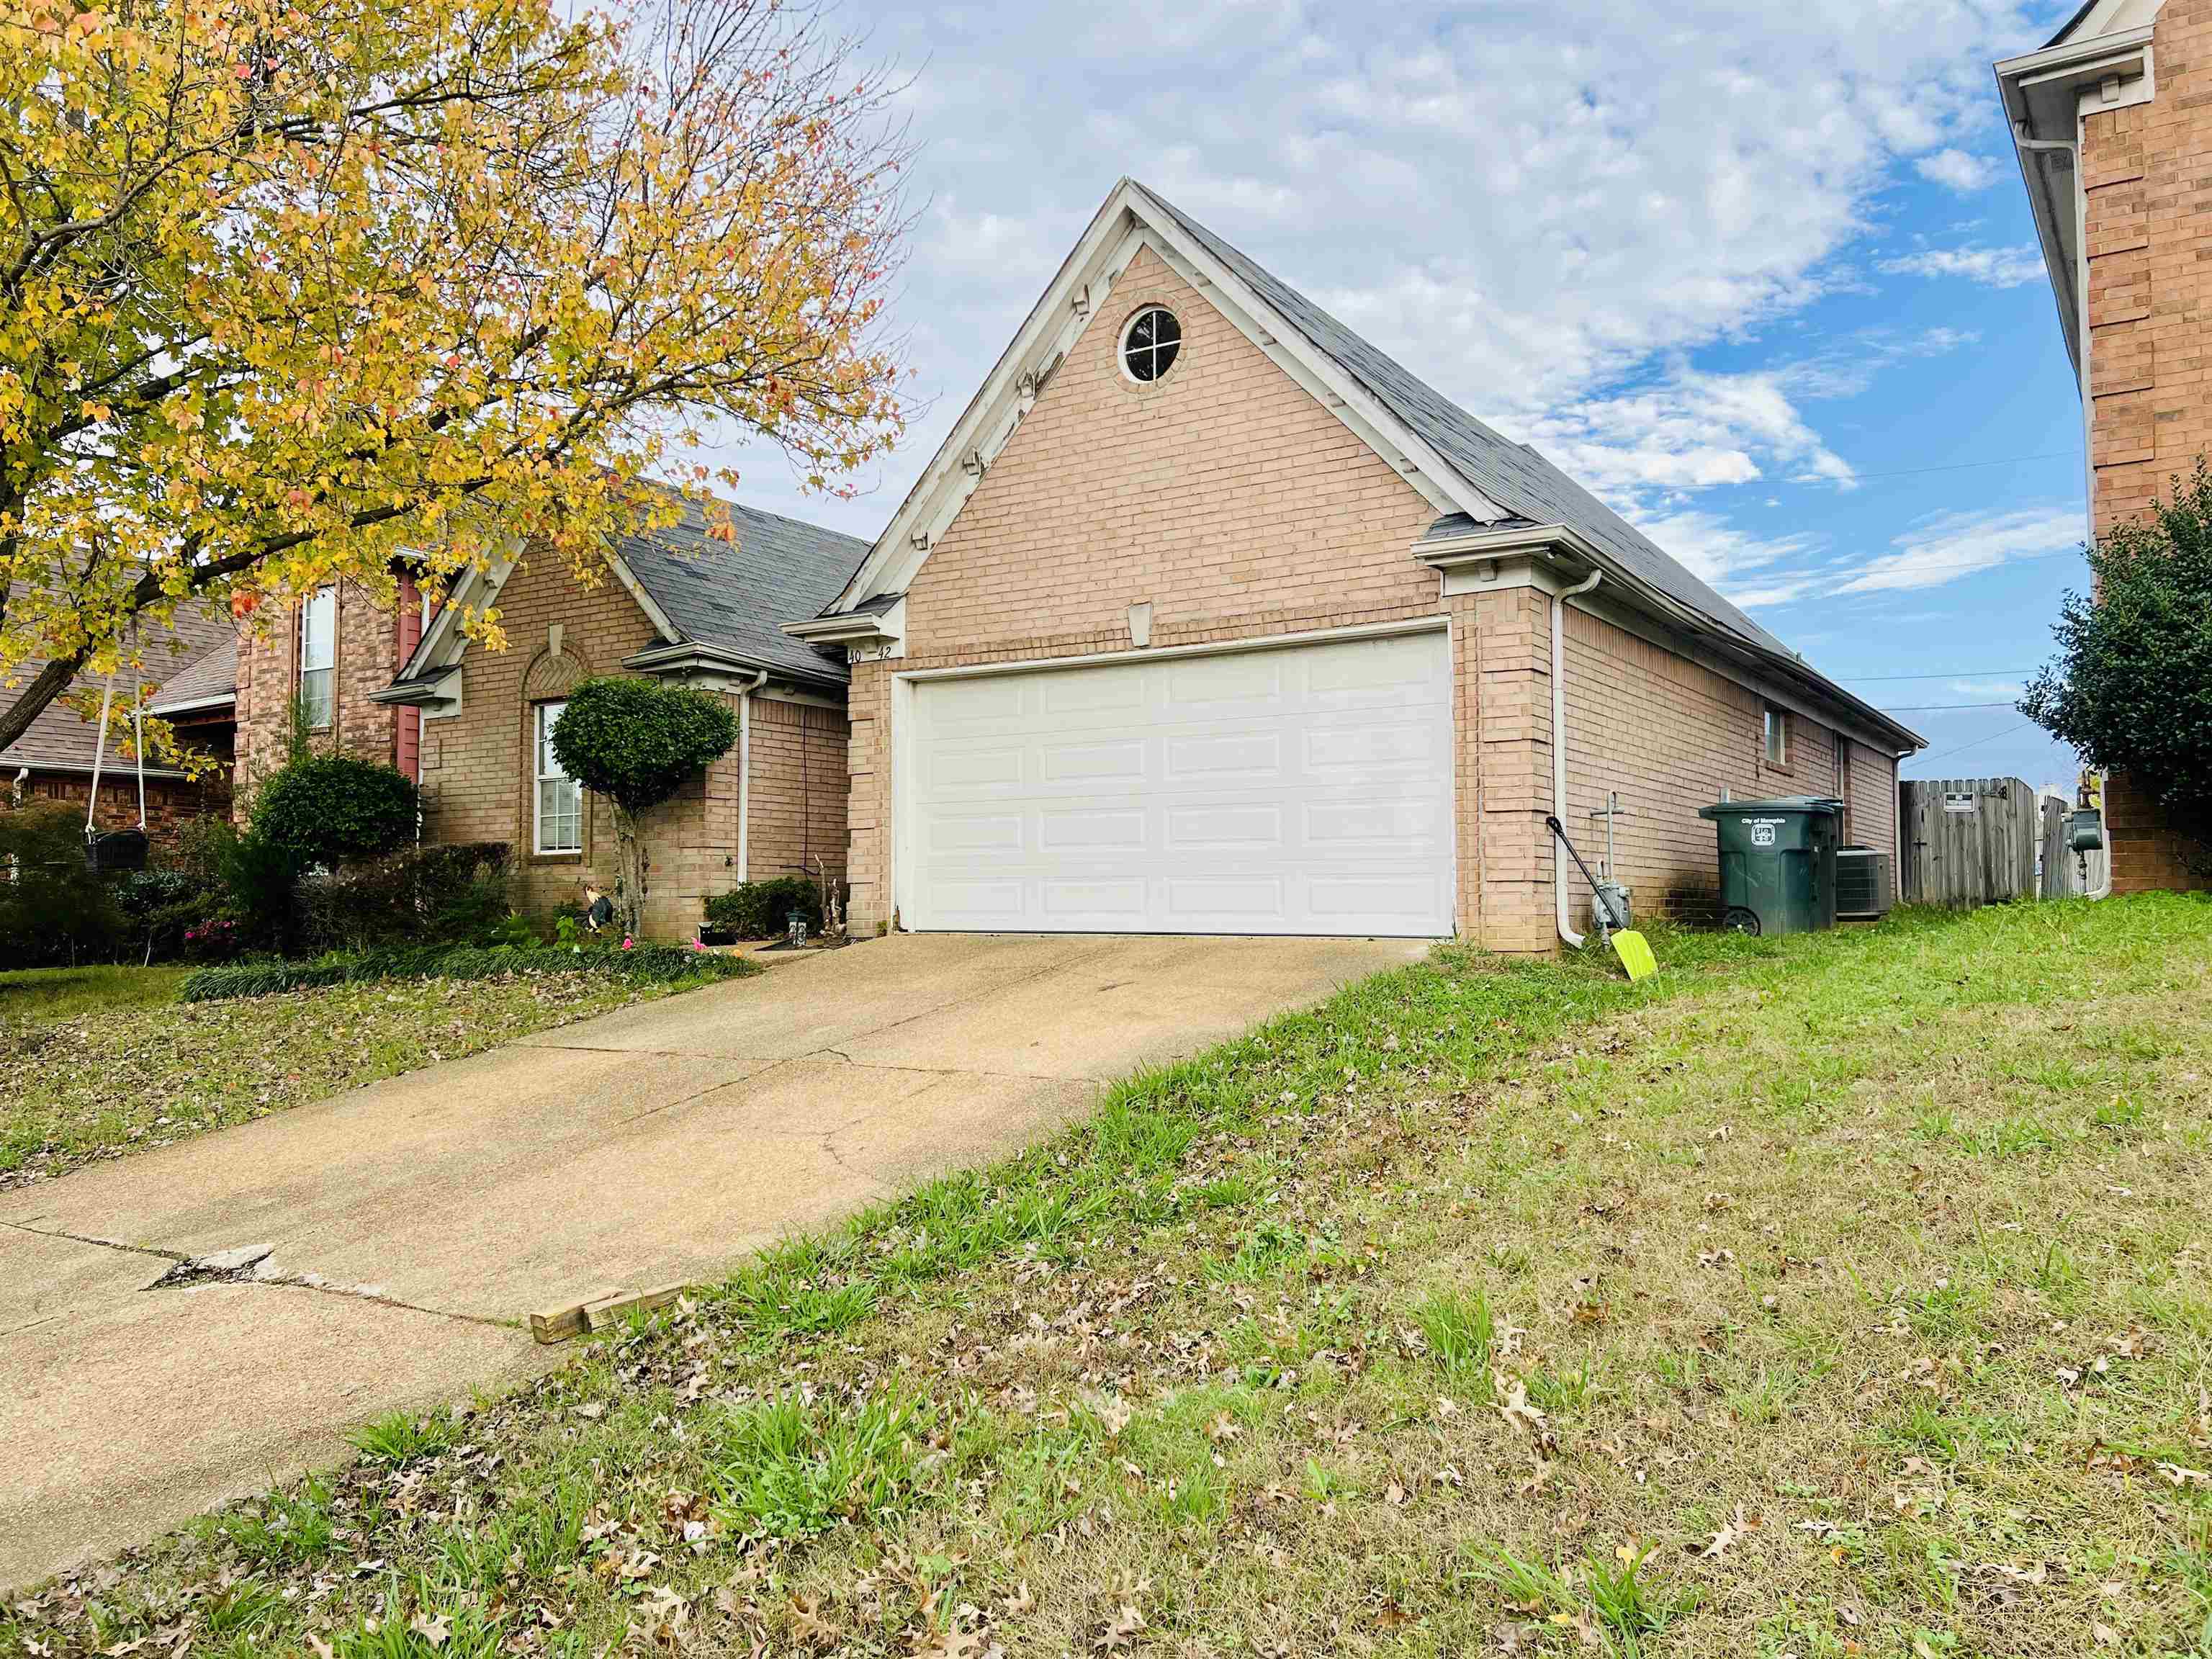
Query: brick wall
{"points": [[799, 785], [367, 655], [2149, 242], [170, 802], [1669, 736]]}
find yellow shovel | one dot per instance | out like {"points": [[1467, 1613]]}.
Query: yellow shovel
{"points": [[1631, 946]]}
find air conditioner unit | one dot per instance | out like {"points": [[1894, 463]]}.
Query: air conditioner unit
{"points": [[1865, 884]]}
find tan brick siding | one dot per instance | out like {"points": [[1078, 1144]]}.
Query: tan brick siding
{"points": [[2149, 243], [1669, 736], [796, 804], [366, 657]]}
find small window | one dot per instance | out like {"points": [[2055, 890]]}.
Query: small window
{"points": [[1151, 344], [560, 799], [1777, 735], [318, 656]]}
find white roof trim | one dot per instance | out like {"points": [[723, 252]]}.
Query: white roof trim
{"points": [[1129, 221], [443, 644]]}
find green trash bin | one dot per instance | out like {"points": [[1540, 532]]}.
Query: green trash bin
{"points": [[1777, 863]]}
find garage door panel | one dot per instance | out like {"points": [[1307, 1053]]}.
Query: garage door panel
{"points": [[1245, 756], [1091, 831], [1244, 682], [1091, 764], [1223, 826], [1293, 790]]}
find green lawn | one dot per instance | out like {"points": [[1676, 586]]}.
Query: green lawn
{"points": [[1846, 1295], [101, 1061]]}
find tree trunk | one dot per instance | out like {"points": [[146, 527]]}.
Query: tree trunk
{"points": [[630, 874]]}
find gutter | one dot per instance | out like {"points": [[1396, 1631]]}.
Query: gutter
{"points": [[690, 653], [1567, 932]]}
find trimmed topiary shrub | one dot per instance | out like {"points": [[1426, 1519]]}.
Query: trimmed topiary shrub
{"points": [[332, 809], [762, 909], [637, 742]]}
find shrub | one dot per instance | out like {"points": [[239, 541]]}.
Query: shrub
{"points": [[2131, 689], [644, 964], [444, 895], [52, 909], [762, 909], [637, 742], [160, 904], [258, 877], [328, 809]]}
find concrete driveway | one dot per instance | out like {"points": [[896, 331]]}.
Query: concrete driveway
{"points": [[415, 1223]]}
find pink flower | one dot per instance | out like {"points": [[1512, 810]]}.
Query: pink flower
{"points": [[699, 944], [627, 942]]}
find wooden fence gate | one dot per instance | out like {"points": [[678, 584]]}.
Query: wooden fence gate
{"points": [[1968, 842], [2066, 874]]}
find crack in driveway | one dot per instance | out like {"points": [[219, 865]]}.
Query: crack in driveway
{"points": [[187, 1272]]}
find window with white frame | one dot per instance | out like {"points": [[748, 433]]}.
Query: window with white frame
{"points": [[1777, 735], [319, 629], [559, 798]]}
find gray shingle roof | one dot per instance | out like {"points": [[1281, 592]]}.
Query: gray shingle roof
{"points": [[61, 739], [735, 597], [1512, 475], [210, 679]]}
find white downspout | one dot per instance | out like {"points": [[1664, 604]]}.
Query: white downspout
{"points": [[745, 769], [1567, 932]]}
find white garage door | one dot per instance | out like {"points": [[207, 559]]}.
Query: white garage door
{"points": [[1303, 789]]}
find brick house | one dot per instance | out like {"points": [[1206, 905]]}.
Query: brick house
{"points": [[2111, 125], [190, 674], [1210, 618], [335, 652], [472, 723]]}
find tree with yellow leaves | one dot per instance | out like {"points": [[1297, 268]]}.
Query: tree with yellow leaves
{"points": [[291, 294]]}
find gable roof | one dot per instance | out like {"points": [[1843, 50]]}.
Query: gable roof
{"points": [[60, 739], [1514, 476], [725, 597], [1477, 480], [735, 596]]}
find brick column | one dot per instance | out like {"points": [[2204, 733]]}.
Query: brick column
{"points": [[1513, 760]]}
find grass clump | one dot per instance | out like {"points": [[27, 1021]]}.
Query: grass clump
{"points": [[1459, 1329], [785, 1469], [401, 1436]]}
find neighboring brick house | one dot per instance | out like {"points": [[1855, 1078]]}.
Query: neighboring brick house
{"points": [[190, 671], [2112, 120], [1209, 618], [683, 606]]}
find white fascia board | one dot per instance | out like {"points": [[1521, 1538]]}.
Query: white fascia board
{"points": [[851, 626], [1125, 224], [1047, 319], [442, 641]]}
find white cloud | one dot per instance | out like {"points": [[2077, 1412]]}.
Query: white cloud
{"points": [[1752, 570], [1532, 203], [1952, 546], [1993, 267], [1955, 169]]}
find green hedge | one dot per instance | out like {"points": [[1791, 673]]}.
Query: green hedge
{"points": [[762, 909], [643, 964]]}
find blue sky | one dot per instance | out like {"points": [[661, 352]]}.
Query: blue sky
{"points": [[1763, 277]]}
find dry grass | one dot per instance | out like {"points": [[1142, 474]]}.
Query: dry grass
{"points": [[1848, 1294], [102, 1062]]}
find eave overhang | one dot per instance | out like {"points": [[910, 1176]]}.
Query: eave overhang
{"points": [[1560, 554], [2045, 94]]}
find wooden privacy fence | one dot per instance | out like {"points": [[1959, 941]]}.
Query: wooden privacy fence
{"points": [[1968, 842], [2066, 874]]}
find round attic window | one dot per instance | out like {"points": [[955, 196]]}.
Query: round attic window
{"points": [[1151, 344]]}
